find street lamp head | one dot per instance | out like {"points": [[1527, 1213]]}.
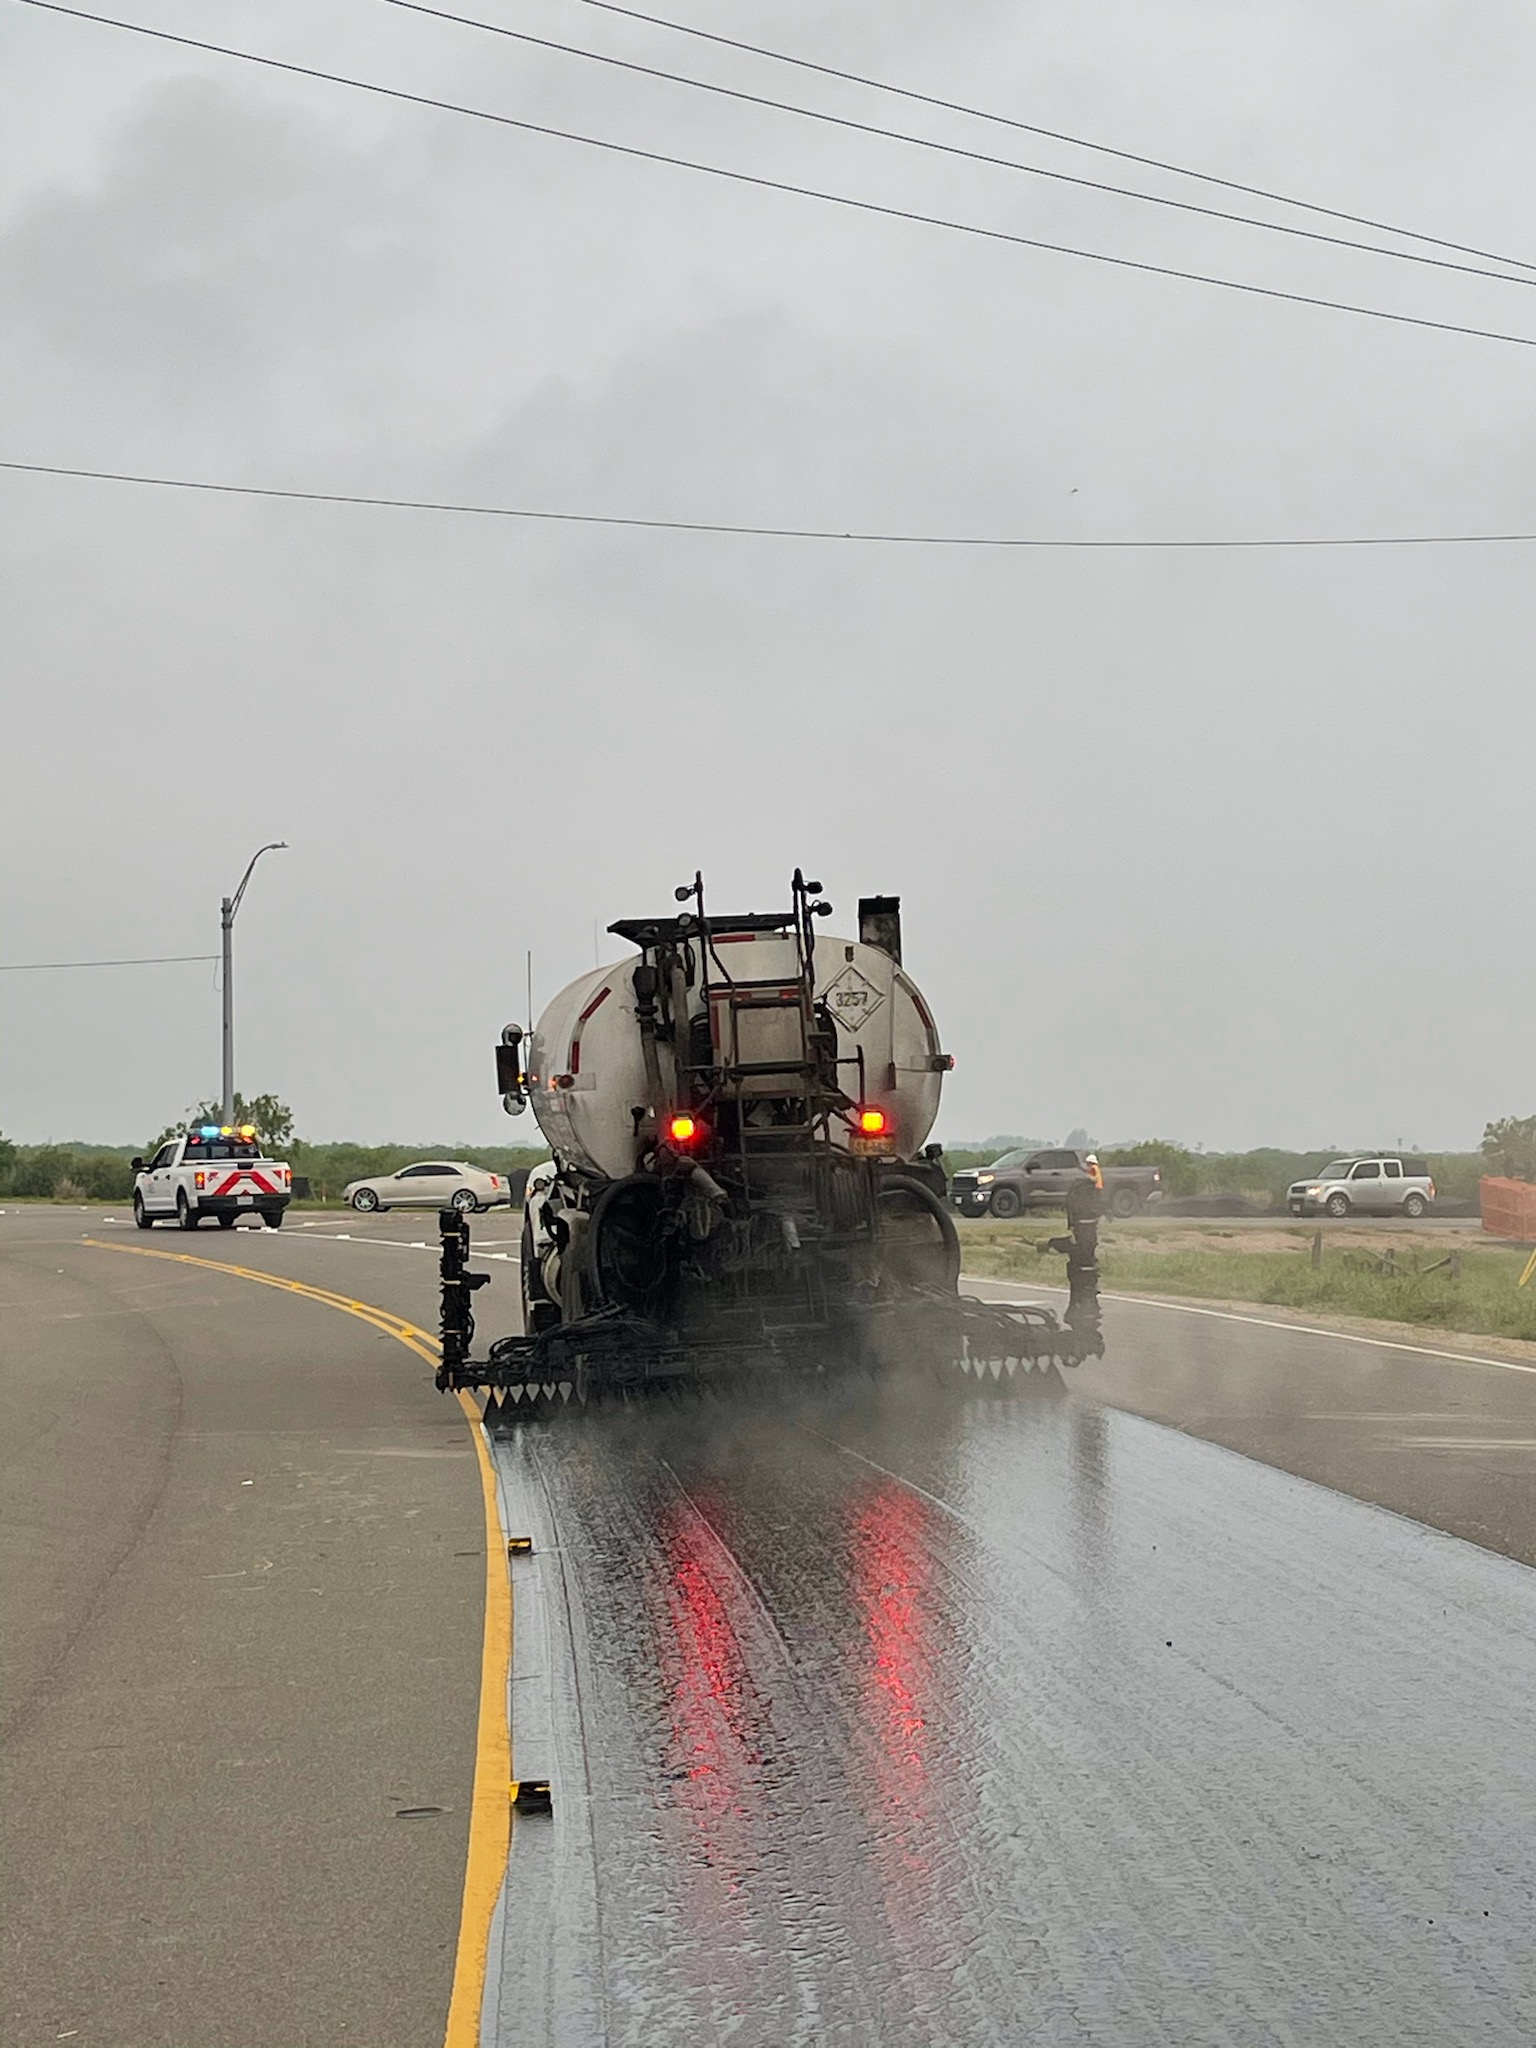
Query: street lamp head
{"points": [[227, 911], [272, 846]]}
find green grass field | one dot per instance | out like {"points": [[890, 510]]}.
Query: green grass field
{"points": [[1481, 1298]]}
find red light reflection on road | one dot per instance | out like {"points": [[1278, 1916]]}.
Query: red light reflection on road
{"points": [[891, 1585], [719, 1721]]}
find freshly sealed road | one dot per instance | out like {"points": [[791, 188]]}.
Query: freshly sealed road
{"points": [[896, 1720], [1004, 1722]]}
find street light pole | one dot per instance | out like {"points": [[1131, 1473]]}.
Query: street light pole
{"points": [[227, 911]]}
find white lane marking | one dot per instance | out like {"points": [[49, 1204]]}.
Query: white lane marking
{"points": [[1471, 1443], [1227, 1315], [404, 1244]]}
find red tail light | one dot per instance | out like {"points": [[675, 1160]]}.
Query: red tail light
{"points": [[873, 1123], [683, 1129]]}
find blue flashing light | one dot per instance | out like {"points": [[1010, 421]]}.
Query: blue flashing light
{"points": [[209, 1131]]}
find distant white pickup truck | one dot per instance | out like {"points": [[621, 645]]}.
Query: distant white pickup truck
{"points": [[211, 1170]]}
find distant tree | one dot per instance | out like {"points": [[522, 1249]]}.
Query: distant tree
{"points": [[1509, 1147], [101, 1177], [1077, 1141], [7, 1159], [1177, 1162], [39, 1169], [273, 1119]]}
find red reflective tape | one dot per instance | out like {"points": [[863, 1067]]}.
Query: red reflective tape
{"points": [[596, 1004]]}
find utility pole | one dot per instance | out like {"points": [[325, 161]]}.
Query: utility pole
{"points": [[227, 911]]}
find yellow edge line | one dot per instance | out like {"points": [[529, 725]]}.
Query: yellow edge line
{"points": [[490, 1813], [490, 1810]]}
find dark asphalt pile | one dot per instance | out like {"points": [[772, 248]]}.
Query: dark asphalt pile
{"points": [[1013, 1722]]}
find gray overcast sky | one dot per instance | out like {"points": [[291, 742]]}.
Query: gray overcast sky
{"points": [[1231, 848]]}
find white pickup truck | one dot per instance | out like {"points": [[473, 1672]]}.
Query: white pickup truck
{"points": [[211, 1170]]}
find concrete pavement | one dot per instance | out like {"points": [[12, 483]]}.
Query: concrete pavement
{"points": [[243, 1560]]}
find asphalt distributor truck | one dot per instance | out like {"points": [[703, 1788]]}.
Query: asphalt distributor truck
{"points": [[740, 1178]]}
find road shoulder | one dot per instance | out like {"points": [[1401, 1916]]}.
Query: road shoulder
{"points": [[239, 1793]]}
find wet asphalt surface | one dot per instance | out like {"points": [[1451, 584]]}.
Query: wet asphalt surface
{"points": [[874, 1718], [1004, 1721], [1446, 1436]]}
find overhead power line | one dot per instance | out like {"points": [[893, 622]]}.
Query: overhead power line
{"points": [[977, 156], [872, 536], [869, 206], [1129, 156], [53, 966]]}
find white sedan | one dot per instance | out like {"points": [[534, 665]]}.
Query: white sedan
{"points": [[431, 1184]]}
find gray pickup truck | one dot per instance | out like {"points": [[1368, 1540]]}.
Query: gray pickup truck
{"points": [[1039, 1180]]}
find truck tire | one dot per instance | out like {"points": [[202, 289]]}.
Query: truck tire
{"points": [[1414, 1205], [273, 1218], [1005, 1203], [1337, 1205], [624, 1260], [187, 1217], [226, 1223], [1124, 1202], [141, 1215]]}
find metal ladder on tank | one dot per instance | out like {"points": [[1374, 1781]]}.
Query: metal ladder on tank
{"points": [[726, 997]]}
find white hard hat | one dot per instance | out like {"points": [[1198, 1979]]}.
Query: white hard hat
{"points": [[1092, 1159]]}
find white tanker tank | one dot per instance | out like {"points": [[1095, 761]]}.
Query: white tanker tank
{"points": [[585, 1065], [738, 1118]]}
